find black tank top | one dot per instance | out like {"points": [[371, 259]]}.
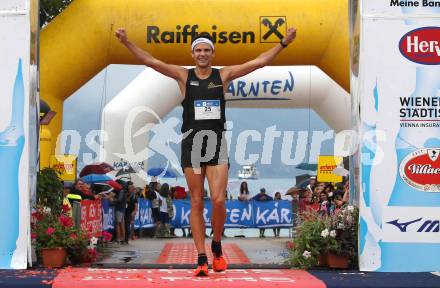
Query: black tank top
{"points": [[204, 103]]}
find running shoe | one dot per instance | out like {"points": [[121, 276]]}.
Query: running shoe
{"points": [[201, 270], [219, 264]]}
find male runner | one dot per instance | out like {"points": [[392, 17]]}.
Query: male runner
{"points": [[204, 151]]}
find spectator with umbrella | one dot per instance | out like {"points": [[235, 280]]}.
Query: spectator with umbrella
{"points": [[262, 196], [130, 211], [81, 191], [120, 205], [163, 231]]}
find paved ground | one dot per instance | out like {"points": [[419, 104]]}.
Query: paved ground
{"points": [[147, 250]]}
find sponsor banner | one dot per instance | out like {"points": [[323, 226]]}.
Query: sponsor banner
{"points": [[411, 224], [108, 214], [326, 165], [399, 80], [15, 132], [252, 214], [91, 217], [144, 216], [65, 165]]}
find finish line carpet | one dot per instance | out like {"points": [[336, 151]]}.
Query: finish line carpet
{"points": [[176, 278], [186, 253]]}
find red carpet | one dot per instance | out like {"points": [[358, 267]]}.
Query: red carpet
{"points": [[182, 278], [186, 253]]}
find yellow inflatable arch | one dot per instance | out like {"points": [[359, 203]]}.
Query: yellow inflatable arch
{"points": [[79, 43]]}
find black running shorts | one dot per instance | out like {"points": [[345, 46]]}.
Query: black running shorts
{"points": [[204, 147]]}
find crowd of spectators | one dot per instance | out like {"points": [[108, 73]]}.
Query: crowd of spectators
{"points": [[324, 198]]}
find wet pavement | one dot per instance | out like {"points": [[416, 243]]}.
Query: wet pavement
{"points": [[259, 251]]}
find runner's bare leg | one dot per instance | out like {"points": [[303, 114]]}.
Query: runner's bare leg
{"points": [[195, 185], [218, 180]]}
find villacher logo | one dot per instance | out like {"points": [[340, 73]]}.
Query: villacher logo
{"points": [[421, 170], [421, 45]]}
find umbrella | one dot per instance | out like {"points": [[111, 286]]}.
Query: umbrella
{"points": [[303, 184], [93, 178], [307, 166], [125, 171], [96, 168], [162, 172], [293, 191]]}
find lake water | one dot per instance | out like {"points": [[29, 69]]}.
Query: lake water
{"points": [[272, 185]]}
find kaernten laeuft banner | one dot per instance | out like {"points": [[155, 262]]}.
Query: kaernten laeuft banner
{"points": [[252, 214]]}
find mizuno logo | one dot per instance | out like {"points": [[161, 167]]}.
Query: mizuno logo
{"points": [[427, 225], [212, 85], [403, 226]]}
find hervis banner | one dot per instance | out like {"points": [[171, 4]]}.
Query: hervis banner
{"points": [[399, 82]]}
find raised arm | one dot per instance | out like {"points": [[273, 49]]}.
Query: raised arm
{"points": [[174, 71], [230, 73]]}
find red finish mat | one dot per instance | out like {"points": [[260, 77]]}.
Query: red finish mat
{"points": [[186, 253], [183, 278]]}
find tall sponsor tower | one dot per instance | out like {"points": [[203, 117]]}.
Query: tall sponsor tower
{"points": [[396, 84], [18, 127]]}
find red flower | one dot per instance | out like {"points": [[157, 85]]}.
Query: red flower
{"points": [[50, 231], [65, 221], [33, 235], [73, 236], [37, 215], [66, 208], [92, 253], [107, 236]]}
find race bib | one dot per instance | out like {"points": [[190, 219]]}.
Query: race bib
{"points": [[207, 109]]}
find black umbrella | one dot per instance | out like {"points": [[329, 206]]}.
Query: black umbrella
{"points": [[307, 166], [125, 171]]}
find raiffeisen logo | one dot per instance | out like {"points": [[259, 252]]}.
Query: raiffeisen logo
{"points": [[185, 33], [421, 170], [422, 45]]}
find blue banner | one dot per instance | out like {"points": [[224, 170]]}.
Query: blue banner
{"points": [[107, 215], [144, 216], [252, 214], [272, 214], [239, 214]]}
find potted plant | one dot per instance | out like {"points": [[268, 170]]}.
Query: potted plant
{"points": [[312, 240], [52, 235], [77, 247], [49, 190], [345, 223]]}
